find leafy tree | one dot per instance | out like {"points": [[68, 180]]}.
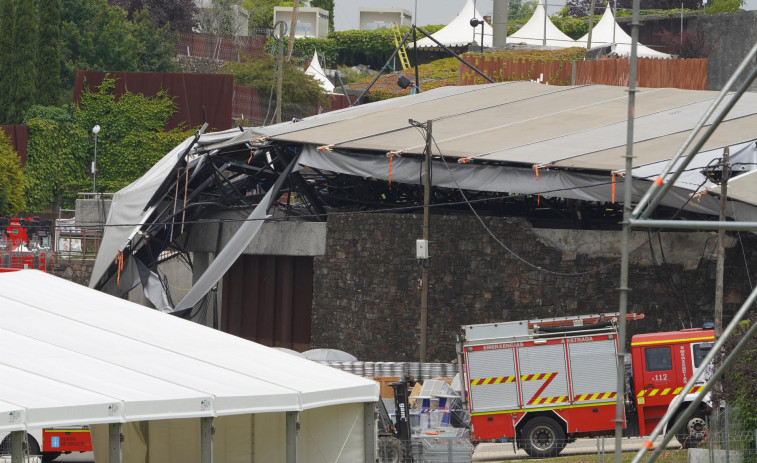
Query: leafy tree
{"points": [[60, 145], [7, 46], [298, 87], [740, 380], [98, 36], [688, 44], [48, 64], [11, 179], [261, 12], [724, 6], [23, 89], [179, 15], [221, 17]]}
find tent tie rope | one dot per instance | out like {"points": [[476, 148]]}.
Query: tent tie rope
{"points": [[251, 153], [538, 189], [119, 267], [466, 160], [325, 148], [615, 174], [391, 155]]}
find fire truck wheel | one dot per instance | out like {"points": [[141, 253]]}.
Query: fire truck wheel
{"points": [[542, 437], [391, 450], [694, 432]]}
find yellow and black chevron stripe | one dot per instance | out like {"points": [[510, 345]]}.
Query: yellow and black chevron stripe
{"points": [[666, 391], [495, 380], [537, 377], [549, 400], [594, 396]]}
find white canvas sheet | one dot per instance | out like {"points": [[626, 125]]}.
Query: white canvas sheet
{"points": [[110, 360], [326, 435]]}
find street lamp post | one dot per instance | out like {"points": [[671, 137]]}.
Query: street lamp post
{"points": [[95, 130]]}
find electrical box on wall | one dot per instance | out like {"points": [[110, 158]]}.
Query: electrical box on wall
{"points": [[421, 249]]}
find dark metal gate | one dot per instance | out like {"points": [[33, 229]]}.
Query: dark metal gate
{"points": [[268, 299]]}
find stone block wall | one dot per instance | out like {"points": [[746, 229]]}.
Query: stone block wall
{"points": [[366, 297], [76, 270]]}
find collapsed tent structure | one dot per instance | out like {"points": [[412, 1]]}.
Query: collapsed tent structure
{"points": [[512, 146], [110, 361], [459, 33], [607, 32], [539, 30]]}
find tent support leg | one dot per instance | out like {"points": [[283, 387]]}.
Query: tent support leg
{"points": [[291, 436], [17, 446], [114, 443], [369, 426], [206, 440], [144, 428]]}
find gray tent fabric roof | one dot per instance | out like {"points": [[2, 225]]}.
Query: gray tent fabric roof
{"points": [[529, 123]]}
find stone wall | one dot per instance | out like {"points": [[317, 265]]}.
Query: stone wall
{"points": [[199, 65], [76, 270], [366, 288]]}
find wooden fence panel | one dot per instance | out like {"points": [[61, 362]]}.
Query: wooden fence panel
{"points": [[690, 74]]}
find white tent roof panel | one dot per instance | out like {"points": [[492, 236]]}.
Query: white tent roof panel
{"points": [[607, 31], [11, 417], [459, 32], [156, 365], [533, 32]]}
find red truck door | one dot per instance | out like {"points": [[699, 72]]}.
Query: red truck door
{"points": [[656, 385]]}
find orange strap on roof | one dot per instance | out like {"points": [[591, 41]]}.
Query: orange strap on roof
{"points": [[615, 175], [698, 196], [391, 155], [119, 267], [250, 159], [658, 181], [326, 148]]}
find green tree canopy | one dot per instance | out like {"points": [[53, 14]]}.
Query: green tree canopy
{"points": [[24, 85], [299, 89], [48, 64], [11, 179], [101, 37], [60, 151]]}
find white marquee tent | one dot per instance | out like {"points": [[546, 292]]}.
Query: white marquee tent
{"points": [[607, 32], [533, 32], [111, 361], [316, 71], [459, 32]]}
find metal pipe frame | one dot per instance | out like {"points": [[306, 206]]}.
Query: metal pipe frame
{"points": [[716, 348], [653, 196]]}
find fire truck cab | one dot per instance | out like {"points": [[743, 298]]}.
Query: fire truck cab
{"points": [[543, 383]]}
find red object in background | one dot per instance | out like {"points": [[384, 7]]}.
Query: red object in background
{"points": [[16, 233], [70, 439]]}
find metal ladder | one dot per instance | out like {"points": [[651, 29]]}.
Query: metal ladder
{"points": [[402, 53]]}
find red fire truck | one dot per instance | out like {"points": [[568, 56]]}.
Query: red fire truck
{"points": [[544, 383], [25, 243]]}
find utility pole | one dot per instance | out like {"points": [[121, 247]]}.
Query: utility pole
{"points": [[426, 226], [291, 30], [280, 67], [720, 265], [591, 23]]}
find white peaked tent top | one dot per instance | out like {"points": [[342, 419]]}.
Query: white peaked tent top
{"points": [[602, 34], [459, 32], [316, 71], [110, 360], [532, 33]]}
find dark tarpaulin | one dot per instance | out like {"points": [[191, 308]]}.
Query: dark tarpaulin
{"points": [[19, 137], [190, 93]]}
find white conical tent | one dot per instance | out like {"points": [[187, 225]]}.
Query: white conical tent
{"points": [[459, 32], [532, 33], [602, 34], [316, 71]]}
